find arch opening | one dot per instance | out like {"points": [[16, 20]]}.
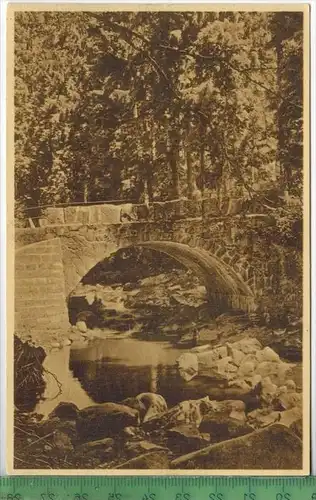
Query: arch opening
{"points": [[155, 287]]}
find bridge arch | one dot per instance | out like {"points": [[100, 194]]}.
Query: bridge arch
{"points": [[51, 262], [224, 286]]}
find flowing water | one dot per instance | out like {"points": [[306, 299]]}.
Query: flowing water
{"points": [[115, 369]]}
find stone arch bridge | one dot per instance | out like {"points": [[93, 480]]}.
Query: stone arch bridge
{"points": [[51, 259]]}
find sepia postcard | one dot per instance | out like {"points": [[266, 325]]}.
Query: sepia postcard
{"points": [[158, 239]]}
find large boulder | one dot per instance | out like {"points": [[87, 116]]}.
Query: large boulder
{"points": [[262, 417], [272, 448], [185, 438], [292, 418], [64, 410], [225, 420], [209, 362], [186, 412], [148, 404], [154, 405], [153, 460], [68, 427], [278, 372], [247, 345], [287, 397], [208, 358], [223, 428], [188, 366], [136, 448], [107, 419], [297, 428], [99, 450], [234, 409], [135, 403], [100, 444], [62, 443]]}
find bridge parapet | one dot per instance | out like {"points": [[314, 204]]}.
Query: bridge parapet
{"points": [[216, 246], [107, 213]]}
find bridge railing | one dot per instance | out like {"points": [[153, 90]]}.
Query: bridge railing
{"points": [[117, 213], [123, 212]]}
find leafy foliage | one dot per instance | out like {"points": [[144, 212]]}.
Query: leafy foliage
{"points": [[154, 106]]}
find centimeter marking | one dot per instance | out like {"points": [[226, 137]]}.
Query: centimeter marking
{"points": [[157, 488]]}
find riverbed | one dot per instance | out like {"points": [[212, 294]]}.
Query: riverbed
{"points": [[116, 369]]}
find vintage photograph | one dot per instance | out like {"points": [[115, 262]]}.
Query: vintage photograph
{"points": [[159, 177]]}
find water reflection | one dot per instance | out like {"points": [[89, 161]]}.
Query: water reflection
{"points": [[61, 385], [115, 369]]}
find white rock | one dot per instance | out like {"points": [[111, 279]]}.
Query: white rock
{"points": [[236, 355], [281, 390], [55, 345], [288, 417], [270, 354], [188, 366], [283, 369], [238, 411], [290, 385], [267, 383], [263, 417], [222, 351], [248, 345], [233, 408], [201, 348], [240, 383], [252, 358], [267, 354], [208, 358], [264, 369], [90, 298], [273, 370], [269, 390], [246, 369], [255, 380], [129, 431], [187, 412], [155, 404], [226, 368], [82, 327], [290, 400]]}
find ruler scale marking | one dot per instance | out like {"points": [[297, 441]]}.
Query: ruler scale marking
{"points": [[157, 488]]}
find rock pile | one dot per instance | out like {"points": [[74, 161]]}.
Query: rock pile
{"points": [[243, 364], [143, 433]]}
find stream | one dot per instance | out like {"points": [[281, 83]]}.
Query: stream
{"points": [[115, 369]]}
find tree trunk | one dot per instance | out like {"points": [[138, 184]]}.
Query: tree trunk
{"points": [[202, 157], [279, 109], [190, 176], [153, 378], [202, 166], [150, 190], [152, 159], [85, 190], [188, 160], [173, 156]]}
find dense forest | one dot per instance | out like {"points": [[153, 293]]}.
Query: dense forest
{"points": [[153, 106]]}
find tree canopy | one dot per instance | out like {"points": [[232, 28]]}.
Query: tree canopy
{"points": [[157, 105]]}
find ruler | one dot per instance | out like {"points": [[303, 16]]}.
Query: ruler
{"points": [[156, 488]]}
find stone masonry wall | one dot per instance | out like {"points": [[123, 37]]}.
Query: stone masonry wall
{"points": [[84, 245], [40, 298], [52, 259]]}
